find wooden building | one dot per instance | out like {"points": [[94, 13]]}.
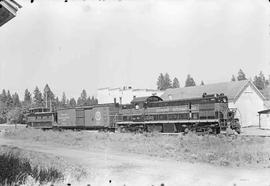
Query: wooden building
{"points": [[264, 119]]}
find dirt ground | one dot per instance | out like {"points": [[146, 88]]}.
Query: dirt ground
{"points": [[255, 131], [133, 169]]}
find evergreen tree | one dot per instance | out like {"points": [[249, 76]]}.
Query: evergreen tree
{"points": [[57, 103], [259, 81], [63, 100], [48, 97], [190, 81], [37, 99], [3, 107], [175, 83], [89, 101], [72, 102], [202, 83], [27, 97], [241, 75], [233, 78], [82, 100], [167, 81], [160, 82], [9, 101], [4, 96], [164, 82], [16, 100], [15, 115]]}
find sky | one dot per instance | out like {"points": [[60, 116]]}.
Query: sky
{"points": [[91, 44]]}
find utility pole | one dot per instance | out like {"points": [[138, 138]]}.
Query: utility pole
{"points": [[46, 90]]}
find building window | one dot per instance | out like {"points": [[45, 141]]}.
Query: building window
{"points": [[120, 100]]}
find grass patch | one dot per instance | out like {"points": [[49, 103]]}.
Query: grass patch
{"points": [[219, 150], [14, 169], [19, 166]]}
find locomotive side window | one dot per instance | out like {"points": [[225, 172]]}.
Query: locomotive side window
{"points": [[172, 116]]}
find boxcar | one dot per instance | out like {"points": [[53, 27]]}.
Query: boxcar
{"points": [[99, 117]]}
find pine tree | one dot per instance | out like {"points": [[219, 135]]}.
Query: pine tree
{"points": [[89, 101], [82, 100], [72, 102], [48, 97], [241, 75], [16, 100], [190, 81], [167, 81], [175, 83], [9, 100], [4, 96], [3, 107], [37, 97], [233, 78], [27, 97], [164, 82], [160, 82], [63, 100], [259, 81], [57, 103]]}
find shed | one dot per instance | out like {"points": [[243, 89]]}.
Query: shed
{"points": [[264, 119], [243, 97]]}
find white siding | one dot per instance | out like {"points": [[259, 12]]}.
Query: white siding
{"points": [[248, 104], [123, 95], [265, 121]]}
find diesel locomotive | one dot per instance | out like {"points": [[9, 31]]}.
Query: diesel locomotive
{"points": [[207, 114]]}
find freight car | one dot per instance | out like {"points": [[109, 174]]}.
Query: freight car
{"points": [[207, 114], [41, 118], [96, 117]]}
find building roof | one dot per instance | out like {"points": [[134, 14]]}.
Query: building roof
{"points": [[267, 111], [8, 9], [130, 89], [230, 89], [266, 92]]}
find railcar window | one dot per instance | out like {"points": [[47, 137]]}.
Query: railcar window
{"points": [[162, 117], [172, 116]]}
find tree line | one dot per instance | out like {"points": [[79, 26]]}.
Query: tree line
{"points": [[12, 109], [164, 81], [260, 81]]}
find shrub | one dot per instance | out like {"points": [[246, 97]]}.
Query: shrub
{"points": [[14, 169]]}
